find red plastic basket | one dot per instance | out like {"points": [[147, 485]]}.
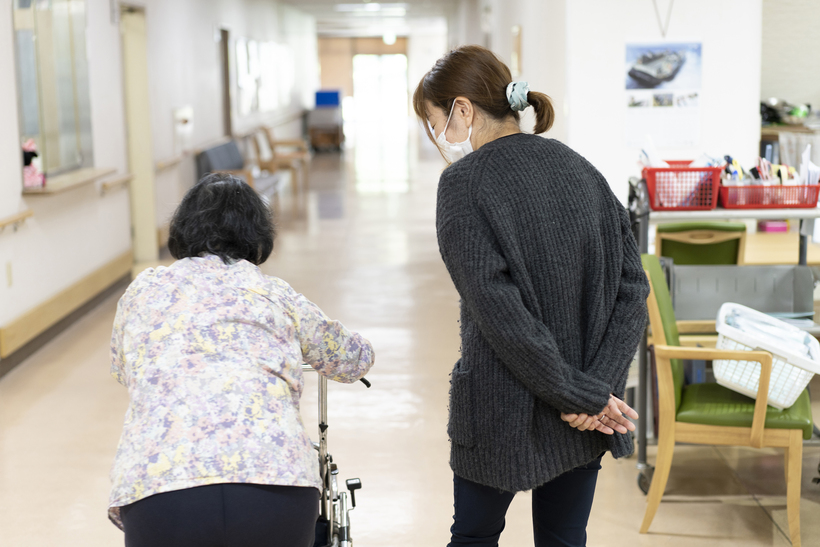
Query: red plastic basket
{"points": [[682, 188], [769, 197]]}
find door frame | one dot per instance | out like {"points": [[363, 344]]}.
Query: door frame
{"points": [[142, 190]]}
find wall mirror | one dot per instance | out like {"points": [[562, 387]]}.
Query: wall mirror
{"points": [[52, 82]]}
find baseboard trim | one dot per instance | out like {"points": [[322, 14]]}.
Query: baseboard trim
{"points": [[31, 325]]}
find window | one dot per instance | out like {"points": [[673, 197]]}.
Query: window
{"points": [[52, 81]]}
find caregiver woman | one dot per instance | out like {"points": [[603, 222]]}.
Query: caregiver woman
{"points": [[552, 304]]}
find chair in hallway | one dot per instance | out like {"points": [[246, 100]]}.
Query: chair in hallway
{"points": [[712, 414], [274, 155], [224, 157], [697, 243]]}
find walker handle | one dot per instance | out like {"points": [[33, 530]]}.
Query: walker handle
{"points": [[308, 368]]}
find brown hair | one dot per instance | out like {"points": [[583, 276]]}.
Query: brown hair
{"points": [[476, 73]]}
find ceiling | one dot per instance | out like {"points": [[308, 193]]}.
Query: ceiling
{"points": [[371, 18]]}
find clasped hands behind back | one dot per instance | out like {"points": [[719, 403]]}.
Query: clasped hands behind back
{"points": [[614, 417]]}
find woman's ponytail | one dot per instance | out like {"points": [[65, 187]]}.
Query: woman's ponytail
{"points": [[478, 74], [544, 113]]}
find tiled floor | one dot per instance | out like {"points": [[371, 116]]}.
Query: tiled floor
{"points": [[362, 245]]}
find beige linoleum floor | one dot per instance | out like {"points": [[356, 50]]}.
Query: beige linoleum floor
{"points": [[362, 245]]}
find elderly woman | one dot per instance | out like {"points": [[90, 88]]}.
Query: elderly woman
{"points": [[213, 451]]}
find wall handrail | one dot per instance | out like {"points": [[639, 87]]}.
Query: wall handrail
{"points": [[16, 219], [164, 165], [116, 183]]}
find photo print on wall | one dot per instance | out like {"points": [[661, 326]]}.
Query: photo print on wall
{"points": [[663, 85]]}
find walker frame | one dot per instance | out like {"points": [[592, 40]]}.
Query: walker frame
{"points": [[333, 526]]}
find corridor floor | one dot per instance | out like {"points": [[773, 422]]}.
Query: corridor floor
{"points": [[362, 245]]}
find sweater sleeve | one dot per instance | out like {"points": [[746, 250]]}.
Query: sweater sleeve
{"points": [[627, 323], [523, 343]]}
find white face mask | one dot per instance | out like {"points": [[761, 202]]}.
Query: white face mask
{"points": [[454, 151]]}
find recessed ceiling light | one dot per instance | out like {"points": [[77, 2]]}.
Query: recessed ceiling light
{"points": [[391, 9]]}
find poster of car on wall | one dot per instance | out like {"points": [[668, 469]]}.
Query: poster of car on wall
{"points": [[665, 66], [663, 93]]}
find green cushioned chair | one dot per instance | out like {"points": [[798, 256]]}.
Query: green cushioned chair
{"points": [[712, 414], [698, 243]]}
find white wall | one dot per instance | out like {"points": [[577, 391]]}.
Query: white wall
{"points": [[575, 52], [426, 44], [543, 51], [74, 233], [464, 23], [791, 51], [543, 60], [597, 31]]}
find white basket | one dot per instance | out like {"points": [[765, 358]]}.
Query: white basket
{"points": [[791, 372]]}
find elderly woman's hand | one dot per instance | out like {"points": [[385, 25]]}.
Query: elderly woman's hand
{"points": [[614, 417]]}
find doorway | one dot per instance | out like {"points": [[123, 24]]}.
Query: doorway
{"points": [[380, 114], [138, 133]]}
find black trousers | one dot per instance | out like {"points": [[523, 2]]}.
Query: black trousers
{"points": [[560, 510], [224, 515]]}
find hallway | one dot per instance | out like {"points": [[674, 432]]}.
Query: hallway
{"points": [[367, 255]]}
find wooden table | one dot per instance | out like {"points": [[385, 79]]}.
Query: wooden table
{"points": [[764, 248]]}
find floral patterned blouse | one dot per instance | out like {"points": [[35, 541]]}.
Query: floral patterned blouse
{"points": [[211, 355]]}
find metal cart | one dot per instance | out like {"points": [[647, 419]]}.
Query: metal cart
{"points": [[333, 526]]}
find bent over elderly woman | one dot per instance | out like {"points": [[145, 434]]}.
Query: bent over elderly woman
{"points": [[553, 304], [213, 450]]}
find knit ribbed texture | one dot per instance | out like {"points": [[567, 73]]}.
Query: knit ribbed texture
{"points": [[553, 305]]}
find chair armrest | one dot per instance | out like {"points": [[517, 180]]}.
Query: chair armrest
{"points": [[688, 326], [299, 143], [666, 353]]}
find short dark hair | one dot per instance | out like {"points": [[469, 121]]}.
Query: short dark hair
{"points": [[223, 216]]}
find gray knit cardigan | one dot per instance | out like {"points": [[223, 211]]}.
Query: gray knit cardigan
{"points": [[553, 305]]}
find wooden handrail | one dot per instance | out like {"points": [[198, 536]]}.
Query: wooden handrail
{"points": [[164, 165], [115, 183], [16, 219]]}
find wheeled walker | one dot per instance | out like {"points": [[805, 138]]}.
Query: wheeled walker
{"points": [[333, 526]]}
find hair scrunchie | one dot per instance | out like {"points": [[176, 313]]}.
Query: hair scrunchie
{"points": [[517, 95]]}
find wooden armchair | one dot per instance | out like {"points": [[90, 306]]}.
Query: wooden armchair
{"points": [[691, 243], [712, 414], [273, 155]]}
